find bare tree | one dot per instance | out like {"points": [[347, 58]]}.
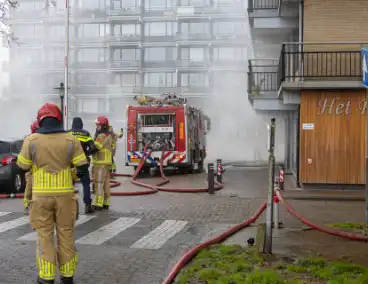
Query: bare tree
{"points": [[6, 7]]}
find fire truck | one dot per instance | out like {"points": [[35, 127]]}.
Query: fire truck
{"points": [[166, 123]]}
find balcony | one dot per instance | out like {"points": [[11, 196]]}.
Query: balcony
{"points": [[89, 89], [262, 85], [161, 12], [89, 41], [122, 90], [273, 14], [88, 15], [89, 65], [230, 64], [125, 65], [124, 40], [154, 90], [240, 38], [162, 38], [167, 64], [37, 66], [37, 16], [190, 64], [193, 38], [320, 66], [126, 13]]}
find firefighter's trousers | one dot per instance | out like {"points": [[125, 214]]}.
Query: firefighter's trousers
{"points": [[101, 182], [47, 213], [28, 190]]}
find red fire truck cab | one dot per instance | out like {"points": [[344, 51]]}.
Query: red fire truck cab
{"points": [[180, 128]]}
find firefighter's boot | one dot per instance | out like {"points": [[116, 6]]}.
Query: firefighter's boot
{"points": [[97, 208], [42, 281], [89, 209], [106, 207], [66, 280]]}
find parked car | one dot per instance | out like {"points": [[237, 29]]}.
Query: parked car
{"points": [[12, 179]]}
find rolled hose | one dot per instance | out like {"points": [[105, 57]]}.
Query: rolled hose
{"points": [[330, 231], [220, 238]]}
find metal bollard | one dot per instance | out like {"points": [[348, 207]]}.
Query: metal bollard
{"points": [[219, 170], [276, 220], [281, 181], [211, 179]]}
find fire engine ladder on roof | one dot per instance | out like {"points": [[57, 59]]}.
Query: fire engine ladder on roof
{"points": [[165, 99]]}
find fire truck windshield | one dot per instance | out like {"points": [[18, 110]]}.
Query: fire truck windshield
{"points": [[157, 119]]}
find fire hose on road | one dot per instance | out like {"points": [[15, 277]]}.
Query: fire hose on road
{"points": [[152, 188], [188, 256]]}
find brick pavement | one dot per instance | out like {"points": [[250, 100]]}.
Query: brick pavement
{"points": [[116, 262]]}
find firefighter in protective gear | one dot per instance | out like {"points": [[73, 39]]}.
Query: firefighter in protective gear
{"points": [[50, 153], [28, 175], [89, 148], [115, 137], [102, 161]]}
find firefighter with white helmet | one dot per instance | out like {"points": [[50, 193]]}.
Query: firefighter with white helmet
{"points": [[28, 175], [50, 153], [102, 161]]}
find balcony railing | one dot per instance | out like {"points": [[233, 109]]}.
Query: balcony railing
{"points": [[262, 76], [126, 11], [254, 5], [339, 61]]}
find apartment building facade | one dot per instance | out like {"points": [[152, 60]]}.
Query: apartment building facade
{"points": [[320, 69], [123, 48]]}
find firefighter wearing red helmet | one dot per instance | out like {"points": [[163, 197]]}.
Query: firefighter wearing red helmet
{"points": [[50, 153], [102, 161], [28, 175]]}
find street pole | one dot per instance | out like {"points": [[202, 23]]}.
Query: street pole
{"points": [[366, 172], [66, 65], [271, 180], [62, 108]]}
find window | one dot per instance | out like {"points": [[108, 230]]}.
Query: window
{"points": [[127, 79], [93, 30], [55, 55], [117, 104], [195, 3], [128, 54], [58, 31], [194, 54], [120, 4], [91, 79], [91, 105], [29, 55], [29, 31], [126, 30], [28, 6], [160, 4], [229, 53], [230, 79], [232, 3], [229, 28], [160, 80], [160, 54], [160, 29], [92, 4], [195, 28], [194, 79], [92, 55]]}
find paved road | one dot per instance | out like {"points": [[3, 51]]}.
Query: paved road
{"points": [[139, 239]]}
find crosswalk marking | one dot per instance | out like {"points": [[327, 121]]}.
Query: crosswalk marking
{"points": [[4, 213], [107, 232], [159, 236], [33, 236], [6, 226]]}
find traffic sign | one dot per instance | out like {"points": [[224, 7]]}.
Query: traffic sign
{"points": [[365, 66]]}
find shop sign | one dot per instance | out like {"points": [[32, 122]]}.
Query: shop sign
{"points": [[308, 126], [337, 107]]}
